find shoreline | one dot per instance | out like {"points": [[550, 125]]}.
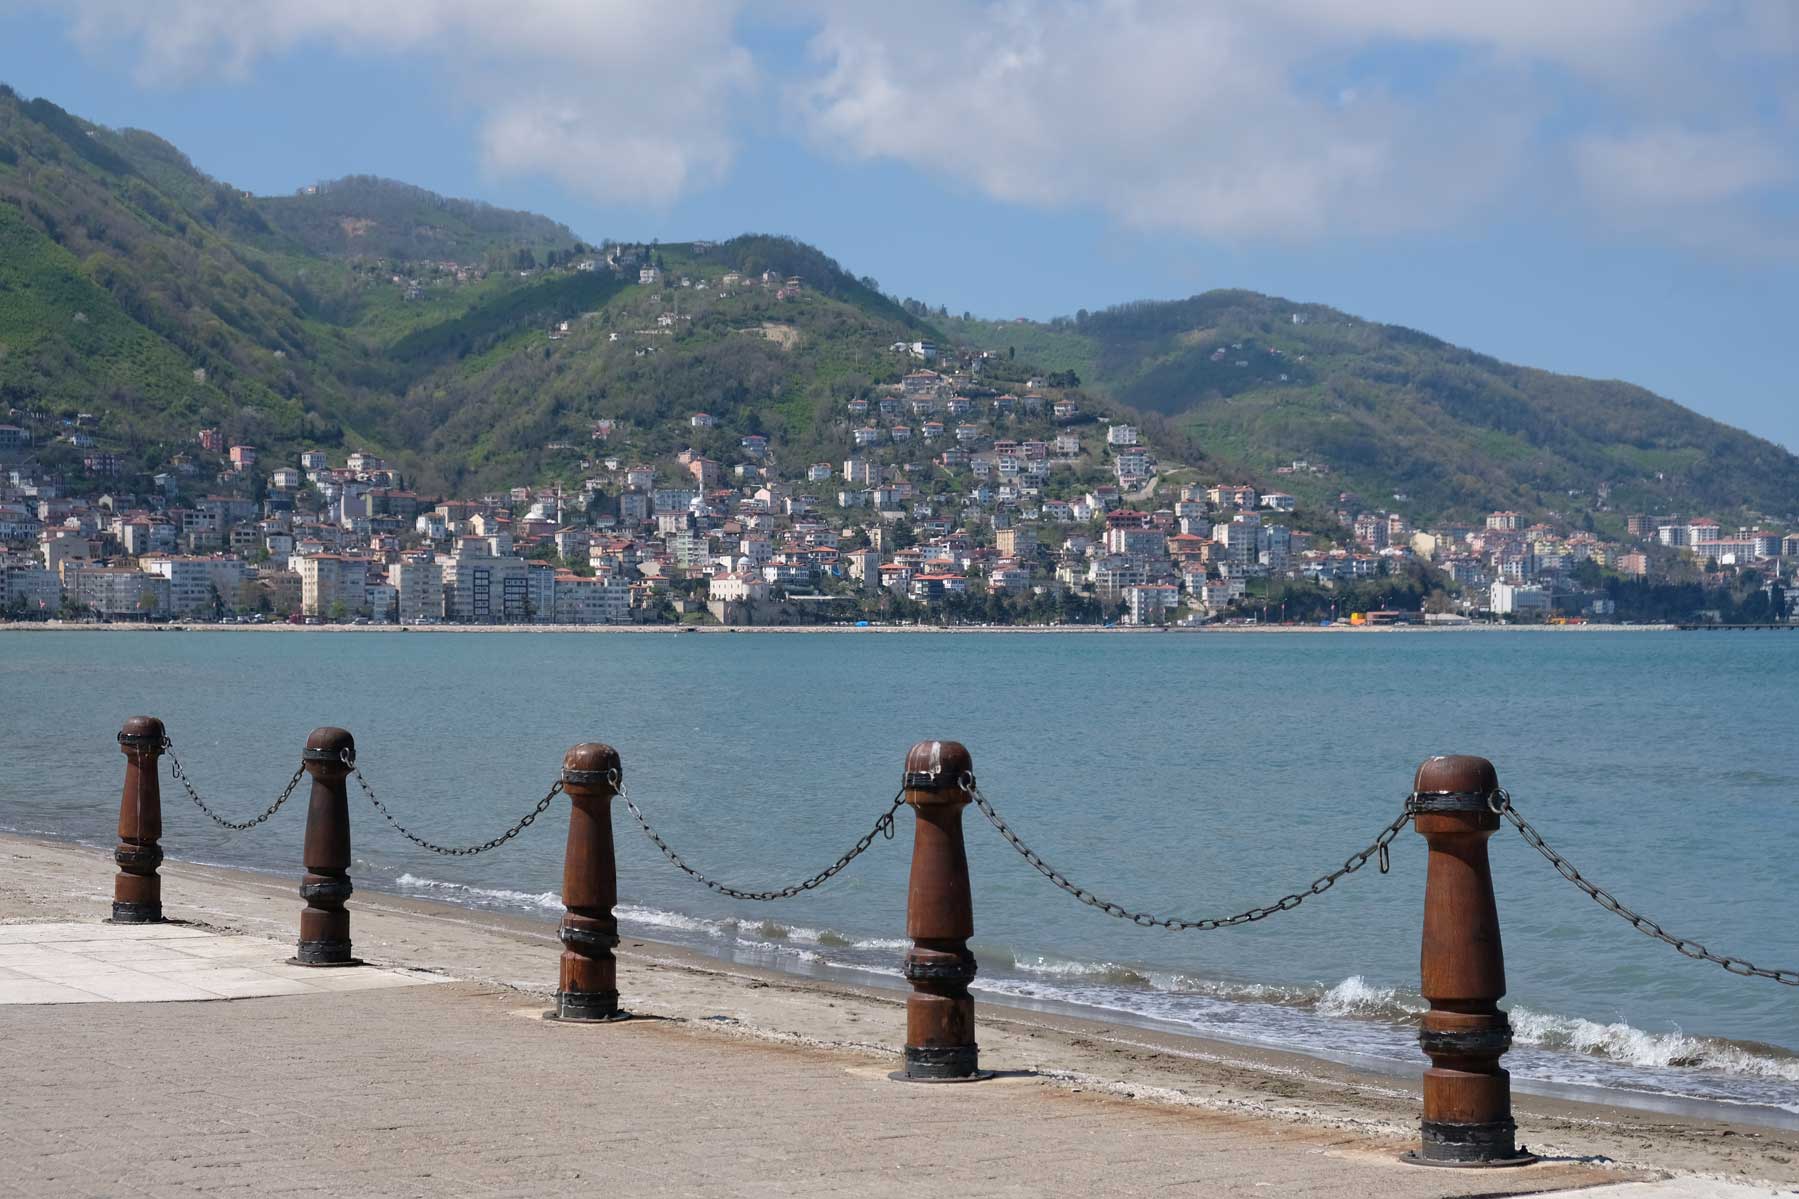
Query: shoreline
{"points": [[960, 630], [718, 998]]}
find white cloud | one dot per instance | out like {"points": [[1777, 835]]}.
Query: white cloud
{"points": [[1266, 120], [1673, 167], [619, 100], [1287, 119]]}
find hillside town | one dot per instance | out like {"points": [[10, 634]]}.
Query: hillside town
{"points": [[957, 504]]}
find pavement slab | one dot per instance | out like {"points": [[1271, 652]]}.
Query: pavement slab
{"points": [[464, 1088], [737, 1081], [73, 962]]}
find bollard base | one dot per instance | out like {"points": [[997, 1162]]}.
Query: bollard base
{"points": [[1469, 1146], [587, 1007], [323, 953], [618, 1017], [1415, 1158], [135, 913], [939, 1063]]}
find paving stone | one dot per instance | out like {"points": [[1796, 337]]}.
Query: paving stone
{"points": [[65, 962]]}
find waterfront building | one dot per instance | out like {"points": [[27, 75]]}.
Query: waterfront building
{"points": [[327, 580], [418, 585], [1150, 603], [199, 585], [1511, 599], [597, 600]]}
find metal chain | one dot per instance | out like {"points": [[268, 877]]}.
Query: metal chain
{"points": [[180, 776], [1287, 903], [883, 828], [1501, 804], [462, 851]]}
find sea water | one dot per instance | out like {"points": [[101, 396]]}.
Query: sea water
{"points": [[1188, 775]]}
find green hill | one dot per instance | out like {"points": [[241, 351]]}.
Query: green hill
{"points": [[476, 347], [1260, 381], [136, 288], [363, 216]]}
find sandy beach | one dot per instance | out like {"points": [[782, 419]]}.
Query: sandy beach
{"points": [[729, 1087]]}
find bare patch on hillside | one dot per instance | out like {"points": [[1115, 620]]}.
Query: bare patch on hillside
{"points": [[785, 336]]}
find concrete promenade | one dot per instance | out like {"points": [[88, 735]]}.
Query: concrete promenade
{"points": [[738, 1083]]}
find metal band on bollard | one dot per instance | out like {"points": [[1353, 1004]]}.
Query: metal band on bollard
{"points": [[137, 888], [1467, 1095], [587, 983], [940, 1044], [325, 924]]}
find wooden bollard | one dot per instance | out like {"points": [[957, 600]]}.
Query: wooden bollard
{"points": [[325, 925], [1467, 1095], [940, 1045], [137, 888], [587, 985]]}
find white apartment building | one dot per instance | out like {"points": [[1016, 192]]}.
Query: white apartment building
{"points": [[116, 590], [1132, 463], [1141, 545], [1240, 536], [756, 551], [484, 588], [1150, 603], [196, 584], [418, 585], [1121, 435], [330, 579], [26, 586], [599, 600], [1506, 599], [737, 588]]}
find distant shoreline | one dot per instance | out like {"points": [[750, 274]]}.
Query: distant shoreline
{"points": [[666, 630]]}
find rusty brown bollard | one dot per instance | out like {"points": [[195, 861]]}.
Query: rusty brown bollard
{"points": [[1467, 1095], [324, 924], [587, 986], [137, 888], [940, 1045]]}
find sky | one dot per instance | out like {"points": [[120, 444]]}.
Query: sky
{"points": [[1607, 188]]}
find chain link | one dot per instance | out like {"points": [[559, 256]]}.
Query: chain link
{"points": [[1501, 803], [883, 828], [180, 775], [1286, 903], [460, 851]]}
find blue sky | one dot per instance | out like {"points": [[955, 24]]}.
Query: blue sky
{"points": [[1609, 188]]}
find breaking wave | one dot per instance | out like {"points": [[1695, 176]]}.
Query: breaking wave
{"points": [[1656, 1050], [485, 897], [1355, 1015]]}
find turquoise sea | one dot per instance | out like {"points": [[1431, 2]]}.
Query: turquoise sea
{"points": [[1192, 775]]}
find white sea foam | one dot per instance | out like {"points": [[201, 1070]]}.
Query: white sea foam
{"points": [[1173, 996], [486, 896], [1355, 996], [1110, 972], [677, 921], [1634, 1046]]}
